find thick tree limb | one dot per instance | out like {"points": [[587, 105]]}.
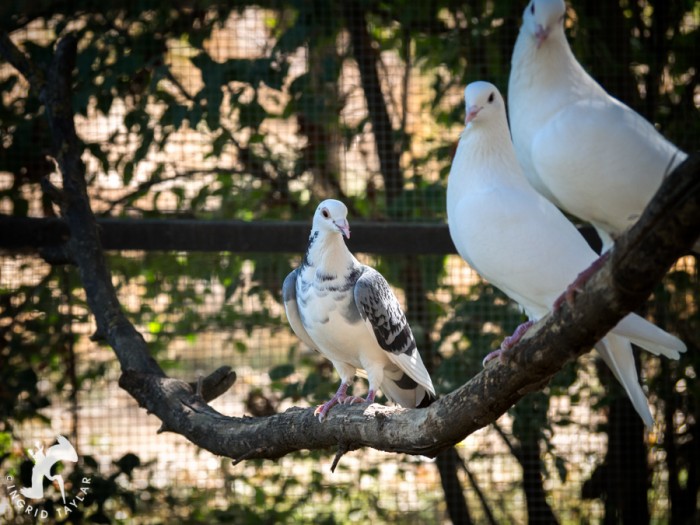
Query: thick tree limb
{"points": [[84, 243], [665, 232]]}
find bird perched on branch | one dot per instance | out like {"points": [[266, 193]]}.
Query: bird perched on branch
{"points": [[521, 243], [587, 152], [346, 311]]}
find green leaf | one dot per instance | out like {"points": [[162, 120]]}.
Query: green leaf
{"points": [[128, 172], [127, 463], [560, 464], [5, 443], [96, 151], [281, 371]]}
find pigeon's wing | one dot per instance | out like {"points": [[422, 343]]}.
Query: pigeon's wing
{"points": [[291, 307], [382, 314], [602, 161]]}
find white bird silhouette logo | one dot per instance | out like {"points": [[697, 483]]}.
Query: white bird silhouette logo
{"points": [[43, 462]]}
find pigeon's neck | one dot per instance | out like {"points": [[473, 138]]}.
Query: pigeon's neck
{"points": [[484, 157], [548, 76], [489, 144], [327, 252]]}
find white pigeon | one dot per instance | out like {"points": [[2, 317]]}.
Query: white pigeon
{"points": [[582, 149], [346, 311], [521, 243]]}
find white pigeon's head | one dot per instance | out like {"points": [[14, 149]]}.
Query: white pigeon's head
{"points": [[484, 104], [542, 18], [331, 217]]}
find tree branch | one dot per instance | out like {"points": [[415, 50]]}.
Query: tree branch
{"points": [[84, 243], [640, 259]]}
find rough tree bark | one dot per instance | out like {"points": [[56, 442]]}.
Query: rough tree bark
{"points": [[640, 259]]}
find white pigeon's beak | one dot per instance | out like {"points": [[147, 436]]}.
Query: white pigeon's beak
{"points": [[472, 112], [541, 35], [343, 227]]}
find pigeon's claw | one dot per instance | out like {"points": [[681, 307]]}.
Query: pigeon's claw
{"points": [[492, 355], [339, 397], [508, 343], [349, 400], [322, 410], [575, 287]]}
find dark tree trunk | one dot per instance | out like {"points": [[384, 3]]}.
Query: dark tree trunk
{"points": [[538, 510], [367, 59], [623, 479], [682, 457], [447, 463], [628, 474]]}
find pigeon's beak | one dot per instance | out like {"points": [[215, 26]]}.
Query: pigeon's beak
{"points": [[472, 112], [343, 227], [541, 35]]}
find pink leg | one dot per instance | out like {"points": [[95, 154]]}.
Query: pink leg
{"points": [[580, 281], [357, 399], [509, 342], [340, 396]]}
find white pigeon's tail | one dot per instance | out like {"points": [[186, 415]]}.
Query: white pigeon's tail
{"points": [[650, 337], [617, 353], [616, 350]]}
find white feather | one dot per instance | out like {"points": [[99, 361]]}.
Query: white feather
{"points": [[617, 354]]}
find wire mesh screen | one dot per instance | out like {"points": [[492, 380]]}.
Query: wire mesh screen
{"points": [[257, 112]]}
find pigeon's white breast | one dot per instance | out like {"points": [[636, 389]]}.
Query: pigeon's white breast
{"points": [[520, 243], [332, 321]]}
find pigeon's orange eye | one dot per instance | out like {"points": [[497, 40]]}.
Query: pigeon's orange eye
{"points": [[325, 213]]}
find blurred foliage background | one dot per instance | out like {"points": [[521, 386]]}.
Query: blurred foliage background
{"points": [[257, 111]]}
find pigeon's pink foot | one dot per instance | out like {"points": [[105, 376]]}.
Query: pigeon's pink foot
{"points": [[349, 400], [339, 397], [508, 343], [577, 286]]}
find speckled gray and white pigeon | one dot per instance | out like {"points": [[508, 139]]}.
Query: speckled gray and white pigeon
{"points": [[521, 243], [587, 152], [346, 311]]}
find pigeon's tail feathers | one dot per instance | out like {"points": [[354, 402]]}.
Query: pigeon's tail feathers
{"points": [[428, 399], [404, 391], [650, 337], [617, 353], [411, 364]]}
